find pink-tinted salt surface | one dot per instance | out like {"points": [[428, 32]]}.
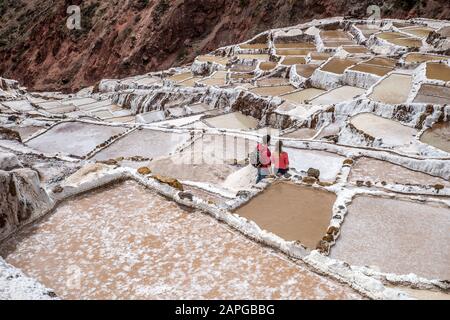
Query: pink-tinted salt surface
{"points": [[396, 236], [128, 242], [368, 169]]}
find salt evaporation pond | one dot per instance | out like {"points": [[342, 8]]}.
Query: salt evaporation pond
{"points": [[89, 249], [390, 131], [329, 164], [144, 143], [374, 170], [438, 136], [396, 236], [234, 120], [210, 159], [292, 212], [272, 90], [438, 71], [338, 95], [433, 94], [75, 138], [302, 96], [393, 89]]}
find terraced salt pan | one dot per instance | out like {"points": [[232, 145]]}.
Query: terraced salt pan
{"points": [[392, 132], [337, 65], [306, 70], [272, 81], [368, 169], [210, 58], [266, 66], [145, 143], [291, 60], [76, 138], [189, 82], [19, 105], [374, 69], [157, 250], [421, 32], [329, 164], [438, 71], [181, 76], [209, 159], [394, 89], [272, 91], [253, 46], [293, 52], [396, 236], [415, 57], [407, 42], [28, 131], [355, 49], [338, 95], [320, 55], [438, 136], [367, 29], [434, 94], [291, 212], [213, 82], [265, 57], [243, 68], [235, 120], [294, 45], [302, 96], [236, 75], [303, 133]]}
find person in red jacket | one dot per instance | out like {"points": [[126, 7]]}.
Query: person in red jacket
{"points": [[264, 155], [280, 160]]}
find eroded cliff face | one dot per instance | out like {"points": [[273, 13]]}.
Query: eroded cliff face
{"points": [[22, 199], [126, 37]]}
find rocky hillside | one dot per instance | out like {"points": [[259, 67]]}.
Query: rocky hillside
{"points": [[126, 37]]}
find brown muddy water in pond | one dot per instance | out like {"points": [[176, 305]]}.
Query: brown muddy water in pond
{"points": [[253, 46], [306, 70], [292, 212], [420, 57], [368, 169], [438, 136], [293, 45], [265, 66], [438, 71], [272, 91], [396, 236], [126, 242], [407, 42], [337, 65], [291, 60], [293, 52], [75, 138], [374, 69], [356, 49], [234, 120]]}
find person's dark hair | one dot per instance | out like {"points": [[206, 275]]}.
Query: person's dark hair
{"points": [[266, 139], [279, 146]]}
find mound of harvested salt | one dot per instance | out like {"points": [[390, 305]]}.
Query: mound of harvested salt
{"points": [[242, 179]]}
